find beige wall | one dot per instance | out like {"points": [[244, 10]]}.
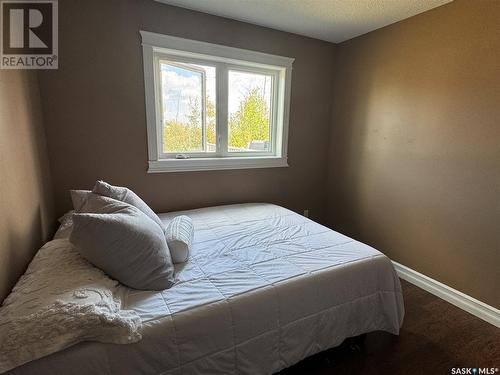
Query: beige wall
{"points": [[96, 114], [26, 212], [415, 154]]}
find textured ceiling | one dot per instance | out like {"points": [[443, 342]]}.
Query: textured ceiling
{"points": [[330, 20]]}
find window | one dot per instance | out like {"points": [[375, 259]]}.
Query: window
{"points": [[187, 119], [214, 107]]}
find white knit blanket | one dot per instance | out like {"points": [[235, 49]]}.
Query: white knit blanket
{"points": [[61, 300]]}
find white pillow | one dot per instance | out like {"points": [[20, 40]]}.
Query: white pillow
{"points": [[179, 235], [64, 229], [126, 195], [123, 242], [61, 300], [78, 198]]}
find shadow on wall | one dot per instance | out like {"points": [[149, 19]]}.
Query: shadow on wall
{"points": [[19, 244], [26, 201], [346, 158]]}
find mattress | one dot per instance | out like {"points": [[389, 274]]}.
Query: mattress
{"points": [[263, 288]]}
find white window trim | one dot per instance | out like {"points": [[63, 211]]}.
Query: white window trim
{"points": [[153, 44]]}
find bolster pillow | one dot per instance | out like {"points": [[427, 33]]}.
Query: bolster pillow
{"points": [[179, 235]]}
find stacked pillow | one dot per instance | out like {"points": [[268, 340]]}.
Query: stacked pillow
{"points": [[120, 234], [179, 233], [117, 231], [126, 195], [122, 194]]}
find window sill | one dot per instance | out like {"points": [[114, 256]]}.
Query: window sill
{"points": [[212, 164]]}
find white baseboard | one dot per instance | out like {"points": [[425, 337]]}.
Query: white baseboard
{"points": [[480, 309]]}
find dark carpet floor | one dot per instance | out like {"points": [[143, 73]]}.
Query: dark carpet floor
{"points": [[436, 337]]}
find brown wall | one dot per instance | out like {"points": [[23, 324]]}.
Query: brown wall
{"points": [[96, 113], [415, 154], [26, 212]]}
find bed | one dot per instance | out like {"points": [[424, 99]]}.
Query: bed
{"points": [[263, 289]]}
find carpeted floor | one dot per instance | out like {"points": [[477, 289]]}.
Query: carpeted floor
{"points": [[436, 337]]}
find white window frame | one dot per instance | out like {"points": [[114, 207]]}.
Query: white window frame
{"points": [[164, 47]]}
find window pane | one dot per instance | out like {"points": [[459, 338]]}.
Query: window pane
{"points": [[249, 112], [188, 101]]}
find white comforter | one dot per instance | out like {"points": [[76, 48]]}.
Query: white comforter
{"points": [[263, 288]]}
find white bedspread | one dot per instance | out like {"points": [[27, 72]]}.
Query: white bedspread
{"points": [[263, 288]]}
